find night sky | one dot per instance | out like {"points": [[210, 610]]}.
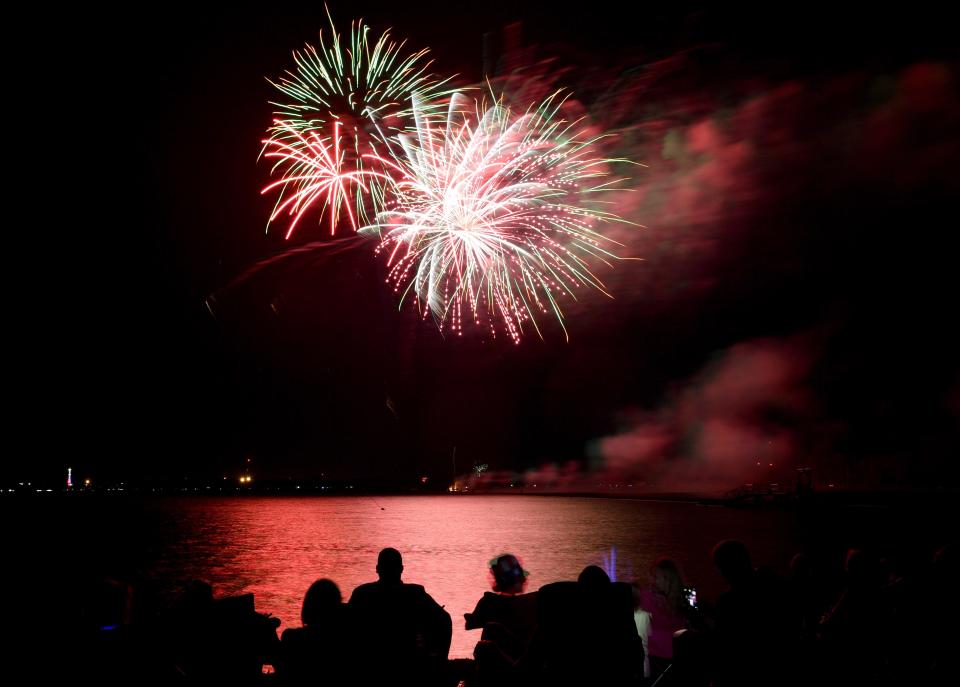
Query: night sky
{"points": [[798, 288]]}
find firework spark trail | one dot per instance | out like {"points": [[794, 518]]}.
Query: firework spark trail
{"points": [[305, 256], [344, 103], [494, 213], [318, 250], [321, 174]]}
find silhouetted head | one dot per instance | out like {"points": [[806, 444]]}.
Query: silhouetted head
{"points": [[594, 577], [389, 565], [509, 577], [732, 560], [321, 599], [666, 576], [668, 581]]}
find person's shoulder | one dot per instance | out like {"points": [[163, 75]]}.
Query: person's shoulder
{"points": [[559, 589], [418, 591], [364, 590], [293, 635], [496, 600], [528, 600], [488, 598], [485, 603], [416, 594]]}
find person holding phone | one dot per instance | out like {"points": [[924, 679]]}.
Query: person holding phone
{"points": [[667, 609]]}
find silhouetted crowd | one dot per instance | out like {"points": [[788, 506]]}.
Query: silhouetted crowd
{"points": [[882, 627]]}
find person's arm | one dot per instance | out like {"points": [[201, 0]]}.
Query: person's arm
{"points": [[480, 615], [471, 622], [439, 628], [356, 596], [643, 600]]}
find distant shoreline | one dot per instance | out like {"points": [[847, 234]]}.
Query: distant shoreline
{"points": [[815, 499]]}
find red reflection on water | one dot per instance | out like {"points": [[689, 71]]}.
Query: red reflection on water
{"points": [[276, 547]]}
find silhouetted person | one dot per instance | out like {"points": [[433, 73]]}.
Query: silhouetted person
{"points": [[222, 641], [806, 606], [753, 644], [186, 625], [669, 610], [942, 609], [506, 604], [112, 640], [853, 628], [322, 650], [402, 626], [594, 577], [586, 632], [690, 666], [508, 618], [803, 592]]}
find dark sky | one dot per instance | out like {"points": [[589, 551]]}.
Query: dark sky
{"points": [[830, 221]]}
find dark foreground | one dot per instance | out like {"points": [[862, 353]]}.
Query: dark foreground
{"points": [[893, 622]]}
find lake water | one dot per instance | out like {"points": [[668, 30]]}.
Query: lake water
{"points": [[275, 547]]}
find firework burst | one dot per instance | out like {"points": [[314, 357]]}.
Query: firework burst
{"points": [[493, 214], [343, 104]]}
